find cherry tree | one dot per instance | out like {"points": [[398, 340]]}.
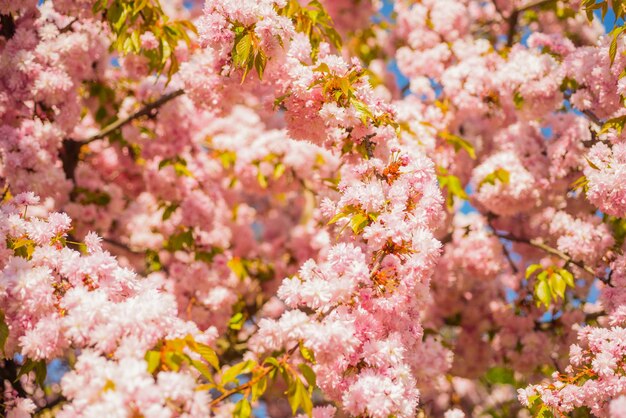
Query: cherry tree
{"points": [[326, 208]]}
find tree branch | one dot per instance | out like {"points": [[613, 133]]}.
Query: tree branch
{"points": [[8, 26], [144, 111], [505, 250], [68, 27], [507, 254], [251, 382], [537, 243], [70, 151], [8, 372], [514, 18], [537, 3], [51, 405], [120, 245]]}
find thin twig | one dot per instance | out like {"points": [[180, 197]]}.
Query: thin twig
{"points": [[67, 27], [251, 382], [505, 250], [538, 243], [144, 111], [594, 316], [507, 254], [593, 118], [514, 18], [70, 151], [537, 3], [369, 145], [50, 405], [120, 245]]}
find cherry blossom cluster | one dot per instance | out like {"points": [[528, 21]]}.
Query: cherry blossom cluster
{"points": [[265, 215]]}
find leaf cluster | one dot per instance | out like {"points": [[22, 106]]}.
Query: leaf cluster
{"points": [[551, 283], [129, 19], [452, 184], [314, 21], [358, 218]]}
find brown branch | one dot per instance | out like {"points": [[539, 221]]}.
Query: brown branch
{"points": [[251, 382], [507, 254], [537, 3], [120, 245], [513, 19], [70, 151], [7, 23], [50, 405], [144, 111], [505, 250], [68, 27], [594, 316], [538, 243], [369, 145], [240, 388], [8, 372], [593, 118]]}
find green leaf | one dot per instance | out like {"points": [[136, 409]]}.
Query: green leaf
{"points": [[153, 358], [237, 267], [236, 370], [259, 388], [280, 99], [322, 68], [568, 277], [4, 331], [613, 47], [307, 353], [206, 352], [279, 170], [272, 361], [557, 286], [180, 241], [308, 374], [260, 61], [358, 222], [530, 270], [203, 369], [181, 169], [173, 360], [242, 409], [299, 397], [169, 210], [453, 185], [499, 174], [543, 293], [243, 48], [591, 164], [261, 179], [518, 100], [236, 322], [459, 143], [41, 371], [337, 217], [545, 412], [39, 367], [500, 375], [580, 183], [362, 108], [614, 123]]}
